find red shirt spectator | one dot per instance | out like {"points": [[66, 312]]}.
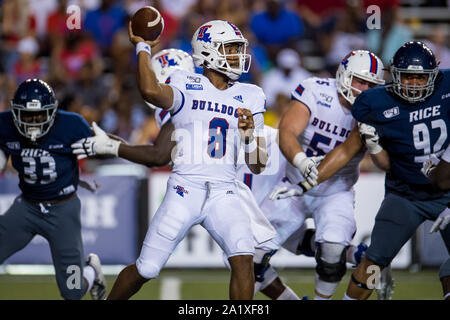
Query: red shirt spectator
{"points": [[74, 57]]}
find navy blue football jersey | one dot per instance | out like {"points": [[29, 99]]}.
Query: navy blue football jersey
{"points": [[47, 168], [409, 133]]}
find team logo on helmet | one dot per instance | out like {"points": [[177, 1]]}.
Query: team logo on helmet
{"points": [[203, 35], [345, 60], [165, 61]]}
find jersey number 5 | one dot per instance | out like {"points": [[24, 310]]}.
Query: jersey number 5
{"points": [[316, 140], [217, 143], [422, 141]]}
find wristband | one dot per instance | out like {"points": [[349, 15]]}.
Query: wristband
{"points": [[374, 149], [115, 147], [250, 147], [142, 46], [298, 159], [305, 186]]}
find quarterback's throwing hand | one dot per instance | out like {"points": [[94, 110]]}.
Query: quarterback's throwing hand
{"points": [[442, 221], [100, 144], [134, 39]]}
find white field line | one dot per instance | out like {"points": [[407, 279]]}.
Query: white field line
{"points": [[170, 288]]}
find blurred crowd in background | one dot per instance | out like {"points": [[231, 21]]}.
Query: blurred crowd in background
{"points": [[93, 69]]}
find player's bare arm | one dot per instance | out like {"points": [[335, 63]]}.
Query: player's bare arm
{"points": [[255, 147], [292, 124], [340, 156], [151, 90], [158, 154], [381, 160], [440, 176], [370, 139]]}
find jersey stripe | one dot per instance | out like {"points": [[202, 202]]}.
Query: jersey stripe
{"points": [[182, 105], [373, 63], [248, 179]]}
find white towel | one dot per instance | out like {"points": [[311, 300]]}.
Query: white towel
{"points": [[261, 227]]}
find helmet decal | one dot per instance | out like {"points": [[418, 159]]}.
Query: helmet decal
{"points": [[203, 35]]}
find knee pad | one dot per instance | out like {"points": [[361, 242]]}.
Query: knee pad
{"points": [[261, 263], [147, 269], [331, 258]]}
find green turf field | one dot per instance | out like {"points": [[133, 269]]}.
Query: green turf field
{"points": [[213, 284]]}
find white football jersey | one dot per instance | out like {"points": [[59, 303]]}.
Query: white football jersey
{"points": [[162, 116], [329, 125], [262, 184], [206, 125]]}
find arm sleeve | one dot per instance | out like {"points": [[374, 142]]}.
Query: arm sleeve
{"points": [[162, 117], [304, 94], [177, 83]]}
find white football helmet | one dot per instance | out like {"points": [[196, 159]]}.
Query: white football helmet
{"points": [[362, 64], [208, 44], [166, 61]]}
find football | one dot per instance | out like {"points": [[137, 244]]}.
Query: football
{"points": [[147, 23]]}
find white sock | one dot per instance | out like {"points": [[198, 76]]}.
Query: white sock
{"points": [[317, 297], [350, 255], [324, 288], [89, 275], [447, 295], [288, 294], [346, 297]]}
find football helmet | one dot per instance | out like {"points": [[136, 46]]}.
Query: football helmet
{"points": [[413, 57], [165, 62], [208, 44], [362, 64], [34, 108]]}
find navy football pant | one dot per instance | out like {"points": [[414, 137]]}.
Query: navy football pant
{"points": [[397, 220], [58, 223]]}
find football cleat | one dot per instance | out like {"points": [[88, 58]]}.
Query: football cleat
{"points": [[98, 290], [386, 284]]}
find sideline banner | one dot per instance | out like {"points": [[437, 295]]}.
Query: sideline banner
{"points": [[108, 217]]}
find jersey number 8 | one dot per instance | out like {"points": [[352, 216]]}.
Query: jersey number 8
{"points": [[217, 142]]}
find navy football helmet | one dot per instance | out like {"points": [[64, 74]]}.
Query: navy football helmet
{"points": [[414, 57], [34, 108]]}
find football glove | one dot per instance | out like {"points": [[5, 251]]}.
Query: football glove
{"points": [[370, 138], [283, 192], [3, 160], [308, 167], [429, 165], [100, 144], [442, 221]]}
